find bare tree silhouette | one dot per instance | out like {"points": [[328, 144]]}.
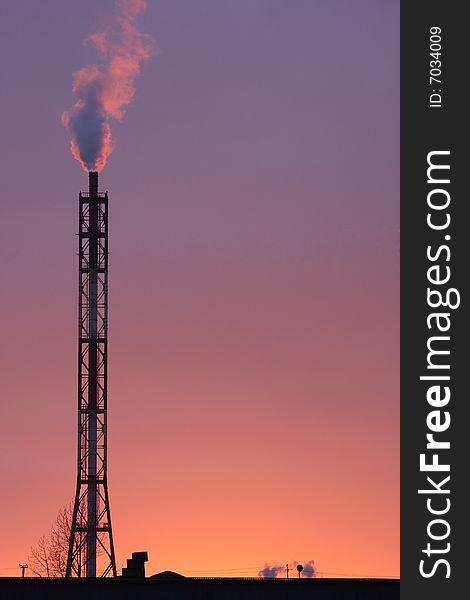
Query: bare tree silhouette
{"points": [[49, 557]]}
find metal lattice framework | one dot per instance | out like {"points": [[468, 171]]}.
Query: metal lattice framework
{"points": [[91, 535]]}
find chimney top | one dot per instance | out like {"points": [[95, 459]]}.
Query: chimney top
{"points": [[93, 183]]}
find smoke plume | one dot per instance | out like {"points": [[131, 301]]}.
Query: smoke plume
{"points": [[273, 571], [104, 90], [309, 569]]}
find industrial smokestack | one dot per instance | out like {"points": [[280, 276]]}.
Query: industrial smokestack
{"points": [[91, 547], [93, 183]]}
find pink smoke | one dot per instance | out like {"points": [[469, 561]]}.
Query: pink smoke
{"points": [[104, 90]]}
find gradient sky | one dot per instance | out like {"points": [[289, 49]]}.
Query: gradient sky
{"points": [[253, 393]]}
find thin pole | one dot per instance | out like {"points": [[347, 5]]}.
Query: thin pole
{"points": [[23, 569]]}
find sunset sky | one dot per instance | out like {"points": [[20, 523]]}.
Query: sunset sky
{"points": [[254, 239]]}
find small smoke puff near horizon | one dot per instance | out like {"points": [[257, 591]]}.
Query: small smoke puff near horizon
{"points": [[309, 569], [273, 571], [104, 90]]}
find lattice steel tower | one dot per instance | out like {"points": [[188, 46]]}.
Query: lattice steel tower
{"points": [[91, 536]]}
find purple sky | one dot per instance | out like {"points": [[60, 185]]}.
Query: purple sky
{"points": [[254, 283]]}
